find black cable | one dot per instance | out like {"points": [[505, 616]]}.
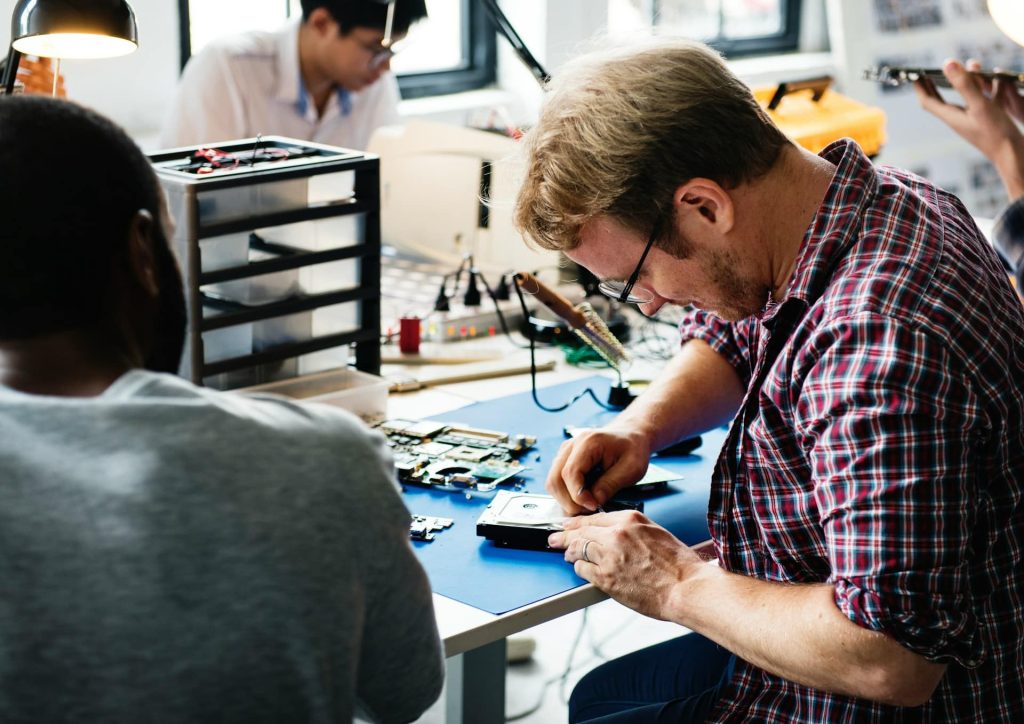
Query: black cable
{"points": [[502, 293], [458, 275], [562, 677], [441, 303], [502, 322], [533, 370], [650, 344], [472, 296]]}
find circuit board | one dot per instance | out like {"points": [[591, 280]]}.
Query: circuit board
{"points": [[455, 457]]}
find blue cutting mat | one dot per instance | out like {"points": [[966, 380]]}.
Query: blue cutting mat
{"points": [[475, 571]]}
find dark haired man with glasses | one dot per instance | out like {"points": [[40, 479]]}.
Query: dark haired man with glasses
{"points": [[324, 78]]}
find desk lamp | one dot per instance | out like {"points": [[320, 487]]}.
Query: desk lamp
{"points": [[69, 29], [1009, 17], [527, 58]]}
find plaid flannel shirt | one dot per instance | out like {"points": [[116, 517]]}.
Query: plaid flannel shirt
{"points": [[881, 446]]}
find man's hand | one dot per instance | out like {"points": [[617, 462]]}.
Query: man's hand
{"points": [[633, 560], [37, 75], [986, 121], [697, 390], [795, 631], [622, 456]]}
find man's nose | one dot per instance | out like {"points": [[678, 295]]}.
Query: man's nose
{"points": [[650, 308]]}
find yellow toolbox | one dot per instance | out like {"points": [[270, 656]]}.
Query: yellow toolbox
{"points": [[813, 115]]}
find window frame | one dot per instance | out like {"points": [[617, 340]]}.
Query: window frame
{"points": [[786, 40], [478, 70]]}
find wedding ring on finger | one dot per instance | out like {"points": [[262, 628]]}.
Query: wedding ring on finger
{"points": [[583, 555]]}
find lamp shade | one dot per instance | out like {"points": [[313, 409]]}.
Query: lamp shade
{"points": [[1009, 16], [74, 28]]}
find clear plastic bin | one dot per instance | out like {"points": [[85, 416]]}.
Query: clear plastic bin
{"points": [[360, 393], [242, 201], [303, 326], [238, 202], [321, 235], [224, 252], [233, 250], [227, 342], [252, 291]]}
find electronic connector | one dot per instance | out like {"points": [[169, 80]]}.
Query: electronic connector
{"points": [[423, 527]]}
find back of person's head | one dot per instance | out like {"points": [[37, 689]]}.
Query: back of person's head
{"points": [[351, 14], [621, 129], [74, 183]]}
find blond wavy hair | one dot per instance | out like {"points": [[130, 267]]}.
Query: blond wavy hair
{"points": [[622, 128]]}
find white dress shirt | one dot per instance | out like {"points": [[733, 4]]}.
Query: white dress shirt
{"points": [[248, 84]]}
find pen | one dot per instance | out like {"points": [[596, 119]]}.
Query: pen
{"points": [[589, 479]]}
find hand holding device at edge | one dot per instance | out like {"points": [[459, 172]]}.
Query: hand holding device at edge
{"points": [[624, 456], [988, 121]]}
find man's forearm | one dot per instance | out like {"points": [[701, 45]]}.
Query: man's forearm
{"points": [[795, 631], [696, 391]]}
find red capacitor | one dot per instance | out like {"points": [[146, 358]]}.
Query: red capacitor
{"points": [[409, 335]]}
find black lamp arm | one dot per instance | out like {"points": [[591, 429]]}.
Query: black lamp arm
{"points": [[506, 29], [11, 70]]}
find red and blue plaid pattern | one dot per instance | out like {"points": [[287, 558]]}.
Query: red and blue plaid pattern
{"points": [[881, 447]]}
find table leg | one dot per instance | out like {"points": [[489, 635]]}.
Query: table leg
{"points": [[476, 685]]}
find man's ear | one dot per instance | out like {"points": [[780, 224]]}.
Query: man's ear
{"points": [[323, 23], [141, 238], [704, 202]]}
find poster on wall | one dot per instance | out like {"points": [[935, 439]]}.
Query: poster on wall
{"points": [[923, 33], [899, 15]]}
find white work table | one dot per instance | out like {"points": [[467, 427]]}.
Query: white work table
{"points": [[474, 640]]}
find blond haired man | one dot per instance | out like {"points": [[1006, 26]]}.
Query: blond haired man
{"points": [[860, 335]]}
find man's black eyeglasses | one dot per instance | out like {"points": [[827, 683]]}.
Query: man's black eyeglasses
{"points": [[623, 291]]}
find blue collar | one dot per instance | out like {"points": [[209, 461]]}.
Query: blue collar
{"points": [[344, 99]]}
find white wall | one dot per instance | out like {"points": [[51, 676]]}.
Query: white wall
{"points": [[133, 90], [552, 30]]}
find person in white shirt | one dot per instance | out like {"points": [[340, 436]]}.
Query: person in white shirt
{"points": [[325, 78]]}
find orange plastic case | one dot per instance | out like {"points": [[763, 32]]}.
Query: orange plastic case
{"points": [[814, 116]]}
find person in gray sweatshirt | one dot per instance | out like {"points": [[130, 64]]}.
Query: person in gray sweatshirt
{"points": [[170, 553]]}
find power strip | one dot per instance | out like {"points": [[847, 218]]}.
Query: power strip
{"points": [[409, 288], [463, 322]]}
